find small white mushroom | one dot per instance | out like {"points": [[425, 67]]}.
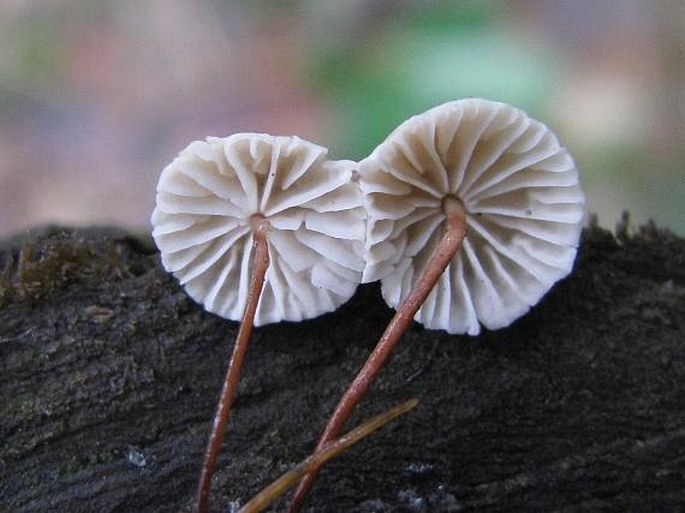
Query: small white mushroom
{"points": [[261, 228], [209, 199], [471, 174]]}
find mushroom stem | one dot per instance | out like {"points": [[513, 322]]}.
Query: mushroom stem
{"points": [[260, 259], [455, 231], [328, 451]]}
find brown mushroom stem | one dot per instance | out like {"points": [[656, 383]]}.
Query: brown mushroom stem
{"points": [[260, 261], [455, 231], [327, 452]]}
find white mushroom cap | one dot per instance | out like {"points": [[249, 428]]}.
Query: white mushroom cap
{"points": [[524, 212], [206, 200]]}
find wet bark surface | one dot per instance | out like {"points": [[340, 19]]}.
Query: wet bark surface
{"points": [[109, 375]]}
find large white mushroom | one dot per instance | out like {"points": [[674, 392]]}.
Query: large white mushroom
{"points": [[261, 228], [523, 210], [475, 211]]}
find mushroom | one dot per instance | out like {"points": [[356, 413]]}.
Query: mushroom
{"points": [[262, 228], [469, 166]]}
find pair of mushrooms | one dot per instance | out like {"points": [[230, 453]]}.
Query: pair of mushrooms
{"points": [[467, 214]]}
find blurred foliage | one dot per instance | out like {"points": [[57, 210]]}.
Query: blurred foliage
{"points": [[431, 55], [31, 53], [98, 94]]}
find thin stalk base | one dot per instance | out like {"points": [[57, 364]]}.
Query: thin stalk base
{"points": [[216, 438], [442, 255]]}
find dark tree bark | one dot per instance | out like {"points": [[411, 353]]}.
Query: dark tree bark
{"points": [[109, 376]]}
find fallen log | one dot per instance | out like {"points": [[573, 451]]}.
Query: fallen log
{"points": [[109, 376]]}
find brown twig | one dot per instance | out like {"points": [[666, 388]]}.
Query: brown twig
{"points": [[318, 459]]}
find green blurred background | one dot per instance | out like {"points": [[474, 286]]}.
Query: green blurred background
{"points": [[96, 96]]}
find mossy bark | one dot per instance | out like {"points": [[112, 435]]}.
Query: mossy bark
{"points": [[109, 376]]}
